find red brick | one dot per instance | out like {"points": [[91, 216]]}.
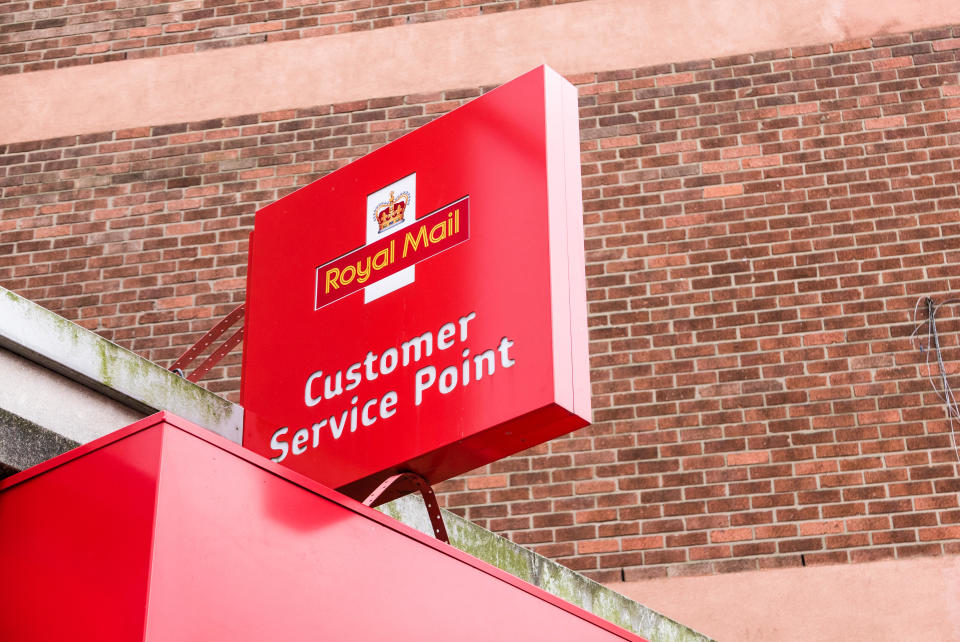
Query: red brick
{"points": [[884, 123], [720, 191], [740, 459], [731, 535], [943, 45], [597, 546]]}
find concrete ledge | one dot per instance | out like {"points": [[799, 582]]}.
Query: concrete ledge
{"points": [[84, 357], [545, 574], [24, 444]]}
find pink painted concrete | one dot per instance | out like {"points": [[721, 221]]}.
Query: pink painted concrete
{"points": [[580, 37], [902, 600]]}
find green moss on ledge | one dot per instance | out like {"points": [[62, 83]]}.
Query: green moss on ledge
{"points": [[545, 574]]}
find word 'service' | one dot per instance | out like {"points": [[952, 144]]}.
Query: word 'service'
{"points": [[325, 389]]}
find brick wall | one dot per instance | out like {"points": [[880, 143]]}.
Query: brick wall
{"points": [[51, 34], [759, 231]]}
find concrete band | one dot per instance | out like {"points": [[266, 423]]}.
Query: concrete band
{"points": [[101, 386], [582, 37]]}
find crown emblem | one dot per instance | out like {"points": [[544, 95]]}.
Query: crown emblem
{"points": [[391, 213]]}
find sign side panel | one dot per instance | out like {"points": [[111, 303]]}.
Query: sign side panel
{"points": [[577, 278], [559, 235], [75, 545], [567, 266]]}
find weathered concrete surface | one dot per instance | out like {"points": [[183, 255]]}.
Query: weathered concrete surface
{"points": [[56, 403], [74, 382], [544, 573], [24, 443]]}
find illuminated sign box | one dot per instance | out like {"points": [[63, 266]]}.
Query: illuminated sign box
{"points": [[423, 308]]}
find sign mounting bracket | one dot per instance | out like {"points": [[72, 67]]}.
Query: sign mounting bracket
{"points": [[212, 335], [396, 482]]}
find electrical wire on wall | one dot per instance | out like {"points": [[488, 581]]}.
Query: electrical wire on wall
{"points": [[932, 350]]}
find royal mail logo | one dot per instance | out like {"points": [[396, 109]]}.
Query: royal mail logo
{"points": [[400, 213], [375, 262], [390, 214]]}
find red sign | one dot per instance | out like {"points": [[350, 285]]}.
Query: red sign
{"points": [[424, 307], [165, 531]]}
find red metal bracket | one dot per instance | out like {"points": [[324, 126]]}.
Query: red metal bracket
{"points": [[429, 499], [205, 341]]}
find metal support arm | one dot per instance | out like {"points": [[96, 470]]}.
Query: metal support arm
{"points": [[429, 500], [205, 341]]}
